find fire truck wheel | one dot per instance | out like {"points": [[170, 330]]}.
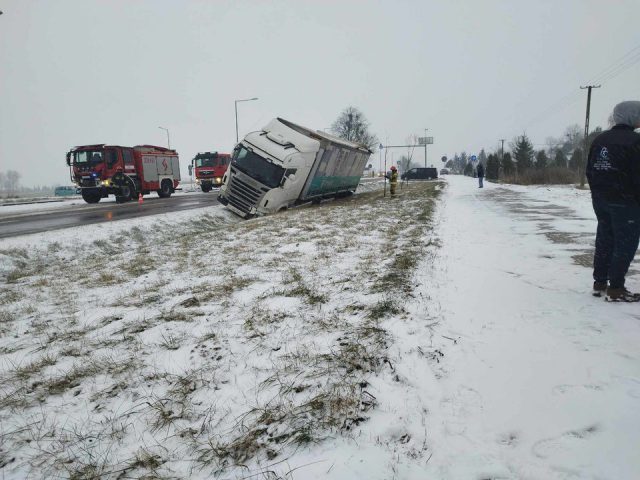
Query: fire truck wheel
{"points": [[91, 197], [165, 189], [125, 194]]}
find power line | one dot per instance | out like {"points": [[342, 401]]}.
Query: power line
{"points": [[632, 55], [613, 70]]}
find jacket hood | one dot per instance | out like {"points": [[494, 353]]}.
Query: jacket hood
{"points": [[627, 113]]}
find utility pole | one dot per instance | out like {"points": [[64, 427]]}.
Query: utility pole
{"points": [[425, 147], [585, 153], [502, 150]]}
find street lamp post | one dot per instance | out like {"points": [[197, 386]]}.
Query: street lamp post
{"points": [[236, 105], [168, 141]]}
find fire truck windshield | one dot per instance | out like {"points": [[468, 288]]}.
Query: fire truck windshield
{"points": [[87, 156], [257, 167], [206, 162]]}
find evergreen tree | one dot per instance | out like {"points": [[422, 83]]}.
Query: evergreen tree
{"points": [[468, 170], [464, 161], [482, 157], [560, 159], [542, 161], [457, 166], [493, 167], [507, 164], [523, 152], [460, 162], [576, 160]]}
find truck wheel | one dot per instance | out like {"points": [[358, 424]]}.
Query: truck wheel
{"points": [[165, 188], [90, 197], [125, 194]]}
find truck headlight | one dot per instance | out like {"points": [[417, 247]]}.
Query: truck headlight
{"points": [[106, 182], [218, 179]]}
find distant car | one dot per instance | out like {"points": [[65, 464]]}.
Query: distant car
{"points": [[65, 191], [420, 174], [444, 171]]}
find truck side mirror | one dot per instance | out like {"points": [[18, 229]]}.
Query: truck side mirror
{"points": [[69, 159], [190, 170]]}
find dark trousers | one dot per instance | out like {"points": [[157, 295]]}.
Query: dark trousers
{"points": [[480, 181], [616, 240]]}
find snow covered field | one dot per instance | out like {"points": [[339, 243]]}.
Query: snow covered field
{"points": [[448, 333]]}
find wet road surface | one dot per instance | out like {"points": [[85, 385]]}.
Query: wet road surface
{"points": [[14, 224]]}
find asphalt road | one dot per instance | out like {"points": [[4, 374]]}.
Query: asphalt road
{"points": [[14, 224]]}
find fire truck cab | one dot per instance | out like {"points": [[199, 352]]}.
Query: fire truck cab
{"points": [[210, 168], [102, 170]]}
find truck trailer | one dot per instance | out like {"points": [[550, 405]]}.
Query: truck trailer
{"points": [[210, 167], [285, 164], [102, 170]]}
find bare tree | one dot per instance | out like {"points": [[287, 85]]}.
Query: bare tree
{"points": [[405, 163], [575, 137], [3, 179], [12, 181], [353, 126]]}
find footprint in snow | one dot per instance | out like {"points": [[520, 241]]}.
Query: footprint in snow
{"points": [[465, 402], [580, 389], [509, 439], [565, 442]]}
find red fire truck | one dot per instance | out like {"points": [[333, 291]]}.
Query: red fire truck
{"points": [[103, 170], [210, 167]]}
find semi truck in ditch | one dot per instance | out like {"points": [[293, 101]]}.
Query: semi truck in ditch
{"points": [[209, 168], [126, 172], [285, 164]]}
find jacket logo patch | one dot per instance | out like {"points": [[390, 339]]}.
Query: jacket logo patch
{"points": [[602, 162], [604, 153]]}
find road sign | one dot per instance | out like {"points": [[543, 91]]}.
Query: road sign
{"points": [[425, 140], [473, 158], [444, 159]]}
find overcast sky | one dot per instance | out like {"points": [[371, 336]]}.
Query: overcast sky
{"points": [[76, 72]]}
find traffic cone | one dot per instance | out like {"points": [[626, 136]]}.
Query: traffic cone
{"points": [[140, 200]]}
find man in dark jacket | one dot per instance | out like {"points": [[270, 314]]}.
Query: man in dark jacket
{"points": [[480, 171], [613, 171]]}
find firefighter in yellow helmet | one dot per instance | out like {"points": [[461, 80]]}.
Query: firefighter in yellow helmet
{"points": [[393, 180]]}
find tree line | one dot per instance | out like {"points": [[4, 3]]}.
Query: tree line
{"points": [[560, 161]]}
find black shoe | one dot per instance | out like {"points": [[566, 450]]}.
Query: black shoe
{"points": [[621, 295], [599, 288]]}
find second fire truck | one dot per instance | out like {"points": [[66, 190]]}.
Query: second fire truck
{"points": [[210, 168]]}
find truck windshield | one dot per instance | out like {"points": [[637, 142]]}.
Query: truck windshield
{"points": [[206, 162], [88, 156], [257, 167]]}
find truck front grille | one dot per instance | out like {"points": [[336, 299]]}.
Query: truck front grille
{"points": [[88, 182], [242, 195]]}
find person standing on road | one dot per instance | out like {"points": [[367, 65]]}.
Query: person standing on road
{"points": [[480, 171], [393, 180], [613, 172]]}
